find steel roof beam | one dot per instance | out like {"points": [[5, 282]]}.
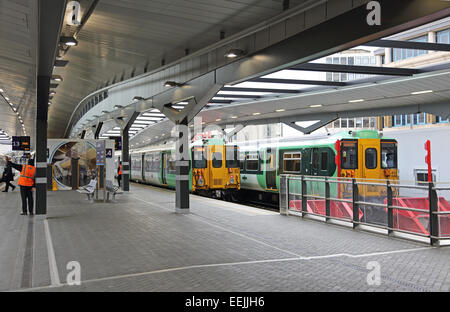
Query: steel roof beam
{"points": [[300, 82], [356, 69], [308, 130], [220, 101], [410, 45], [261, 90], [238, 96]]}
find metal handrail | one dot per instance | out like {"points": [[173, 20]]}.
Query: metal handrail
{"points": [[431, 211]]}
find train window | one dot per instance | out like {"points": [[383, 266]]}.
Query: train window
{"points": [[241, 160], [217, 160], [371, 158], [148, 163], [388, 155], [315, 160], [156, 163], [349, 155], [231, 156], [324, 161], [292, 162], [136, 164], [171, 164], [252, 162], [199, 158]]}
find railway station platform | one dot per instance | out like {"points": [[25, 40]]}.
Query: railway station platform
{"points": [[138, 243]]}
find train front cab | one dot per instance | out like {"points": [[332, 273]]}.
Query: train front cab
{"points": [[371, 159], [215, 170]]}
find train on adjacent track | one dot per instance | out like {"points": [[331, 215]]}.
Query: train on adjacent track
{"points": [[251, 170]]}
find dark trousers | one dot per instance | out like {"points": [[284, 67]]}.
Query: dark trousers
{"points": [[119, 178], [8, 184], [27, 195]]}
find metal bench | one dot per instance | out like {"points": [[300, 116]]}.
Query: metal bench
{"points": [[89, 190], [112, 189]]}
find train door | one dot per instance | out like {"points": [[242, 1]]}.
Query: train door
{"points": [[369, 150], [271, 169], [216, 156], [315, 162], [143, 167], [163, 167]]}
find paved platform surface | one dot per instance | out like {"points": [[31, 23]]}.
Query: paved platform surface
{"points": [[139, 244]]}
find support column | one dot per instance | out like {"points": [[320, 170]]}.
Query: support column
{"points": [[387, 55], [125, 158], [182, 169], [125, 126], [43, 87], [97, 130]]}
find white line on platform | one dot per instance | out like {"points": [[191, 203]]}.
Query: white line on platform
{"points": [[54, 275], [234, 263]]}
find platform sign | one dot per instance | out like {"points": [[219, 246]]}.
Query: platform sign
{"points": [[20, 143], [109, 153], [100, 148]]}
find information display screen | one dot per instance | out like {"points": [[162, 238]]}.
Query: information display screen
{"points": [[20, 143]]}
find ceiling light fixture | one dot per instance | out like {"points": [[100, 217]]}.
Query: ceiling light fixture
{"points": [[356, 101], [138, 98], [421, 92], [316, 105], [280, 110], [255, 114], [232, 53], [172, 84], [57, 78], [69, 41]]}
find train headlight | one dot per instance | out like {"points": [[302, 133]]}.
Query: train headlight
{"points": [[200, 181], [232, 179]]}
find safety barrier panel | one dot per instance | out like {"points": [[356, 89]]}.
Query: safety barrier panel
{"points": [[419, 210]]}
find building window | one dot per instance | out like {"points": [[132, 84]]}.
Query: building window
{"points": [[421, 176], [420, 119], [443, 36], [402, 54]]}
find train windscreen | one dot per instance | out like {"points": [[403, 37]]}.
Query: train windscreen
{"points": [[349, 155], [231, 157], [199, 158], [389, 155]]}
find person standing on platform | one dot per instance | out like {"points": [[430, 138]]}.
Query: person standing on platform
{"points": [[119, 173], [7, 177], [26, 182]]}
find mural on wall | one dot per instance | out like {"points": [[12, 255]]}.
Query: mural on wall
{"points": [[72, 160]]}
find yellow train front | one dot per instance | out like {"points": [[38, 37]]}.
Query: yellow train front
{"points": [[215, 169]]}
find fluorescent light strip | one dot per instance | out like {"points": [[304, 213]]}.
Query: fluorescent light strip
{"points": [[421, 92], [356, 101]]}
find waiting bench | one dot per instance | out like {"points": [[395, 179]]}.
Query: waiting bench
{"points": [[89, 190], [112, 189]]}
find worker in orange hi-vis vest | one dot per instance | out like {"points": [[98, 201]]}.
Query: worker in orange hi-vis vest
{"points": [[26, 182], [119, 173]]}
